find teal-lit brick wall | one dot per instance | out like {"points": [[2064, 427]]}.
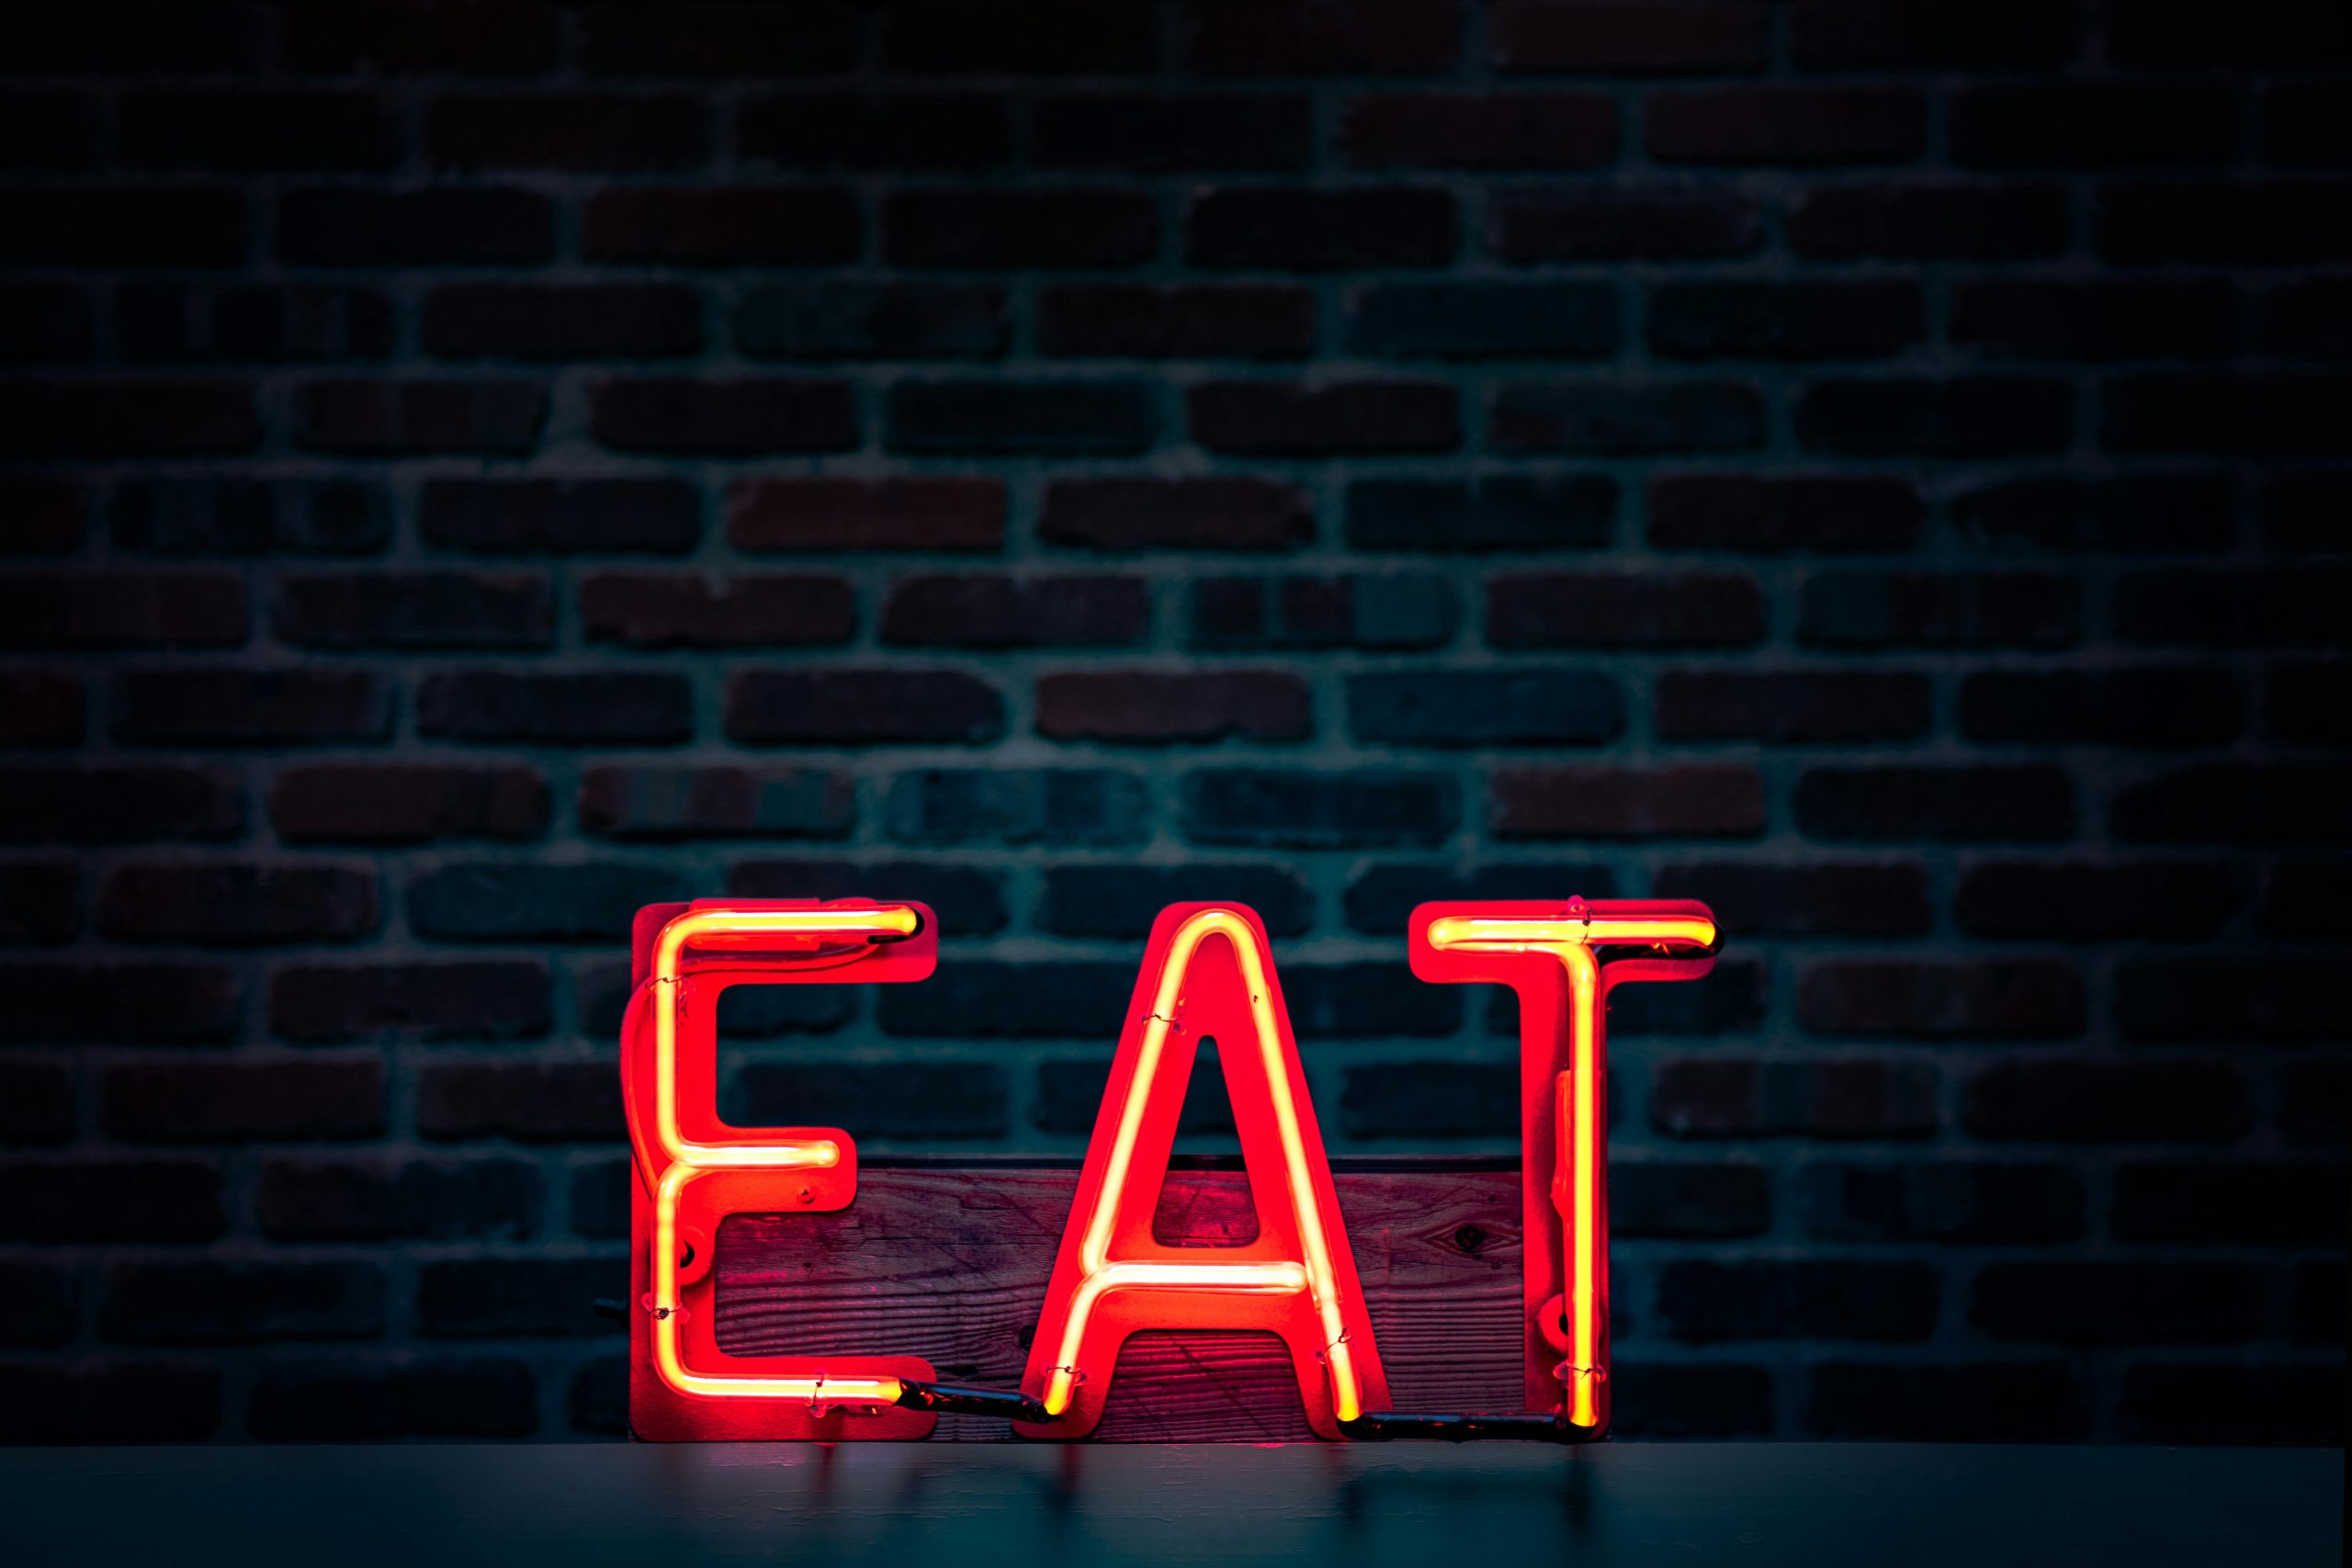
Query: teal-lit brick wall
{"points": [[469, 470]]}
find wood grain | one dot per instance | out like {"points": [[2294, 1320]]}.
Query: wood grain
{"points": [[951, 1265]]}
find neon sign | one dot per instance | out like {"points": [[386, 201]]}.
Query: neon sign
{"points": [[1208, 973]]}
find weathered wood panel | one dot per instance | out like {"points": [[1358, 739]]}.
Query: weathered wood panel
{"points": [[952, 1264]]}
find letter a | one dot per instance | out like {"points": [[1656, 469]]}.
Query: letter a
{"points": [[1208, 974]]}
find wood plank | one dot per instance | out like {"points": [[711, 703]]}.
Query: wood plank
{"points": [[952, 1264]]}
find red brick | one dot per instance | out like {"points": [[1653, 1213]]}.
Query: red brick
{"points": [[665, 610], [1145, 708], [1620, 803], [932, 514]]}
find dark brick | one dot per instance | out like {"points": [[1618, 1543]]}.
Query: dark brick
{"points": [[2234, 1000], [1973, 416], [1144, 707], [534, 1103], [1791, 707], [440, 609], [1694, 1399], [726, 226], [2179, 708], [2278, 1403], [354, 802], [247, 130], [1314, 231], [1070, 1097], [1011, 228], [376, 1399], [488, 999], [536, 516], [2298, 898], [2117, 1304], [518, 901], [1121, 901], [1617, 420], [1127, 515], [1828, 1099], [165, 1003], [2222, 608], [1284, 418], [46, 514], [717, 802], [1869, 320], [1706, 1303], [2132, 514], [1008, 612], [122, 609], [969, 899], [44, 323], [1912, 222], [1786, 124], [604, 707], [603, 133], [1858, 609], [1852, 898], [1626, 803], [205, 1102], [1773, 514], [1628, 39], [2106, 1102], [989, 1000], [1268, 809], [110, 1201], [1055, 805], [871, 321], [230, 1303], [861, 708], [2227, 222], [1628, 610], [501, 1298], [51, 130], [1055, 418], [666, 610], [113, 806], [1948, 1202], [2319, 1303], [180, 324], [2163, 901], [36, 1305], [1134, 320], [1686, 1201], [402, 419], [1423, 1100], [1490, 513], [232, 905], [472, 225], [1979, 1402], [2309, 320], [1478, 131], [1323, 38], [931, 515], [705, 39], [2300, 128], [1485, 707], [740, 418], [329, 37], [197, 226], [108, 1401], [514, 321], [2175, 33], [36, 1102], [42, 709], [599, 1402], [1380, 900], [1627, 222], [1484, 320], [920, 1102], [1168, 132], [383, 1199], [1954, 805], [1847, 35], [248, 517], [2021, 998], [39, 902], [2232, 1204], [877, 130], [2272, 415], [1040, 37], [2221, 802], [1366, 611], [121, 419]]}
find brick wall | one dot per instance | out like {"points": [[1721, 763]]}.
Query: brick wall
{"points": [[470, 470]]}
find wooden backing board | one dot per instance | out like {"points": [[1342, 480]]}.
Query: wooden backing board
{"points": [[950, 1263]]}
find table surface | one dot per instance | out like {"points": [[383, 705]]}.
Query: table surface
{"points": [[664, 1506]]}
